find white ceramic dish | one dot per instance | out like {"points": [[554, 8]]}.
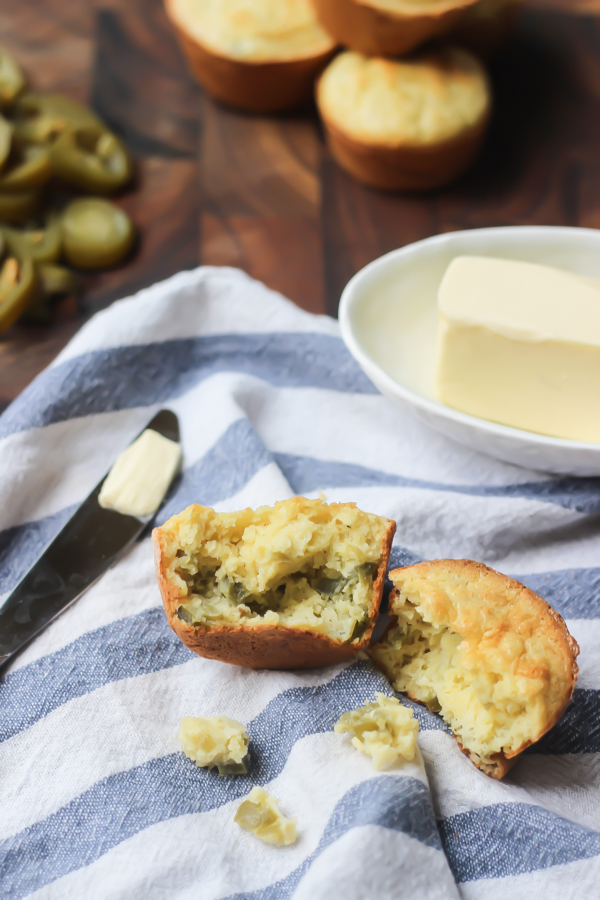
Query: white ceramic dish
{"points": [[388, 318]]}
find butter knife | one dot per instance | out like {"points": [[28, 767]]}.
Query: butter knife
{"points": [[91, 542]]}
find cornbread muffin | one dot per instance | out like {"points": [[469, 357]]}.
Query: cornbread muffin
{"points": [[291, 586], [409, 124], [486, 27], [384, 730], [259, 814], [215, 742], [257, 55], [389, 27], [484, 651]]}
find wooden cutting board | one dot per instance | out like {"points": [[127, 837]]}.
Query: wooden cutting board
{"points": [[216, 187]]}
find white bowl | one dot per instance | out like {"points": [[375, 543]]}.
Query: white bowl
{"points": [[388, 317]]}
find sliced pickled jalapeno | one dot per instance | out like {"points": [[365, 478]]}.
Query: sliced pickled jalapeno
{"points": [[12, 80], [233, 768], [18, 282], [28, 167], [96, 233], [56, 281], [92, 159], [40, 118], [19, 207], [44, 243], [6, 132]]}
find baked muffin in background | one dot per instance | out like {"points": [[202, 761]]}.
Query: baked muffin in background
{"points": [[291, 586], [389, 27], [490, 655], [256, 55], [411, 124], [487, 26]]}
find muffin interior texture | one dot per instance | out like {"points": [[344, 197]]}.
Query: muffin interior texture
{"points": [[471, 645], [299, 564], [254, 30], [418, 101]]}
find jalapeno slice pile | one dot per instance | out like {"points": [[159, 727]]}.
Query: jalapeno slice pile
{"points": [[46, 137]]}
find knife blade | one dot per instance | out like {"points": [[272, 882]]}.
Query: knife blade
{"points": [[91, 542]]}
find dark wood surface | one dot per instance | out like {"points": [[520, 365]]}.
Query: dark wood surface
{"points": [[216, 187]]}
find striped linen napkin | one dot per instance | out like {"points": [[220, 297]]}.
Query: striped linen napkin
{"points": [[96, 798]]}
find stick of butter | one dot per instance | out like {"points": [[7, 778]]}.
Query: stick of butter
{"points": [[140, 478], [519, 344]]}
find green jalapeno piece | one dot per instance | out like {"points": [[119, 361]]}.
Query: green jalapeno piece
{"points": [[96, 233], [57, 281], [44, 243], [233, 768], [91, 159], [6, 133], [28, 167], [12, 80], [40, 118], [18, 282], [20, 207]]}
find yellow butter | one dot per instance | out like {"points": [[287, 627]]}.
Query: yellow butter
{"points": [[215, 741], [259, 813], [519, 344], [140, 478], [384, 730]]}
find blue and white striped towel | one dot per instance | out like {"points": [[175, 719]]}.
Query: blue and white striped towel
{"points": [[96, 798]]}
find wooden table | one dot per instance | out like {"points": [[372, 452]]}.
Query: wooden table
{"points": [[217, 187]]}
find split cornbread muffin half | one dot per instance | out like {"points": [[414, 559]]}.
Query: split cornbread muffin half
{"points": [[491, 656], [258, 55], [291, 586]]}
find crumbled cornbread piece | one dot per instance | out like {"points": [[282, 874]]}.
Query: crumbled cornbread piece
{"points": [[215, 741], [385, 730], [259, 814]]}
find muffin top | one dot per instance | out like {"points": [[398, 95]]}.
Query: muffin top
{"points": [[254, 30], [426, 99]]}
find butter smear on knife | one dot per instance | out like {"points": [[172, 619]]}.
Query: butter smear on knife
{"points": [[140, 478], [519, 344]]}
